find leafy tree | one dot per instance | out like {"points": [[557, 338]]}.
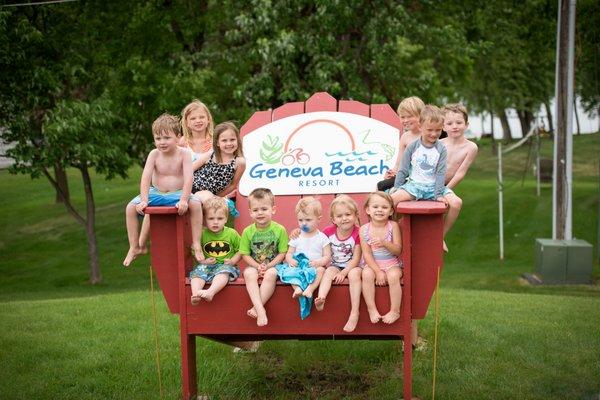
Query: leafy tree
{"points": [[587, 53]]}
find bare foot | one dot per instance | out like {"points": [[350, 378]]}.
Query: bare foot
{"points": [[391, 317], [374, 315], [144, 249], [131, 255], [196, 299], [252, 313], [297, 293], [206, 295], [351, 324], [308, 293], [444, 246], [261, 318], [319, 303]]}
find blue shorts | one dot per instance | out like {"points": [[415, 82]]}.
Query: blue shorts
{"points": [[157, 198], [208, 272], [422, 192]]}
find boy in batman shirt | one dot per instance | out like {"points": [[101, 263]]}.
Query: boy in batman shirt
{"points": [[220, 245]]}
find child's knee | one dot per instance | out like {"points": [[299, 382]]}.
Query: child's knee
{"points": [[454, 202], [250, 273]]}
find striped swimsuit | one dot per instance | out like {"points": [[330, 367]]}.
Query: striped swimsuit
{"points": [[383, 257]]}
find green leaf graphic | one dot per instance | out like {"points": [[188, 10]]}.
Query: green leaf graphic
{"points": [[271, 150]]}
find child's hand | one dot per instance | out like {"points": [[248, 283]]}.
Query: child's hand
{"points": [[380, 278], [375, 241], [227, 261], [389, 173], [261, 269], [295, 233], [140, 207], [293, 263], [182, 207], [314, 263], [340, 276], [209, 261]]}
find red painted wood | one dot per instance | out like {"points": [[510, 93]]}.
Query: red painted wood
{"points": [[321, 101], [421, 207], [354, 107], [225, 318], [288, 109], [426, 246], [385, 113]]}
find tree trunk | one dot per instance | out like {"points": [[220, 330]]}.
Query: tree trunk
{"points": [[549, 115], [525, 118], [507, 134], [63, 183], [90, 226]]}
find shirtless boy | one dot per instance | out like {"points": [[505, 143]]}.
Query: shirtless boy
{"points": [[166, 181], [460, 156], [409, 111]]}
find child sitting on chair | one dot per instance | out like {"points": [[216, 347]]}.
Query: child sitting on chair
{"points": [[461, 154], [409, 111], [220, 246], [345, 248], [381, 246], [311, 242], [166, 181], [263, 246]]}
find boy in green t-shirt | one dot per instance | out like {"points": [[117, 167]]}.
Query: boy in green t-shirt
{"points": [[220, 246], [263, 246]]}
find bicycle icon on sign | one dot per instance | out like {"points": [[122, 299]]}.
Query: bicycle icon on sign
{"points": [[295, 156]]}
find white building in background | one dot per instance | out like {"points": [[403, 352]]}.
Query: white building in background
{"points": [[480, 123]]}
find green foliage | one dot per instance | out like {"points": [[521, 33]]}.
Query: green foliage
{"points": [[587, 54]]}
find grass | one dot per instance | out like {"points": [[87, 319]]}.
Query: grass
{"points": [[500, 339]]}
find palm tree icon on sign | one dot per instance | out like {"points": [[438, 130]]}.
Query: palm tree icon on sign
{"points": [[295, 156]]}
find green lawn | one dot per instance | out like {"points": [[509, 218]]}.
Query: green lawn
{"points": [[61, 338]]}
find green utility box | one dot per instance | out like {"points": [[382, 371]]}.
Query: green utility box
{"points": [[563, 261]]}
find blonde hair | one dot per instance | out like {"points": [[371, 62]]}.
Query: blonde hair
{"points": [[431, 114], [457, 108], [215, 203], [384, 196], [260, 194], [411, 105], [166, 123], [309, 206], [222, 127], [344, 200], [185, 113]]}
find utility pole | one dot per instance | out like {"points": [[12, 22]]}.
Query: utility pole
{"points": [[563, 138]]}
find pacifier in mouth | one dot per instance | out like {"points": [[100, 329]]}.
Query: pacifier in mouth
{"points": [[304, 228]]}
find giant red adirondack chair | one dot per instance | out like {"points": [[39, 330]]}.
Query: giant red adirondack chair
{"points": [[225, 319]]}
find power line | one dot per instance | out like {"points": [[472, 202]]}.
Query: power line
{"points": [[37, 3]]}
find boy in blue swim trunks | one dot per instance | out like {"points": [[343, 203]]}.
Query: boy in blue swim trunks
{"points": [[166, 181], [423, 168], [220, 245]]}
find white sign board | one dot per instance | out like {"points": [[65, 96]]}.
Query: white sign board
{"points": [[319, 152]]}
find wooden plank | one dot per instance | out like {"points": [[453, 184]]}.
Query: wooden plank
{"points": [[385, 113], [288, 110], [321, 101], [354, 107]]}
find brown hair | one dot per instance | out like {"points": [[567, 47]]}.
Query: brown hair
{"points": [[260, 194], [309, 205], [219, 129], [185, 113], [384, 196], [411, 105], [431, 114], [457, 108], [166, 123]]}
